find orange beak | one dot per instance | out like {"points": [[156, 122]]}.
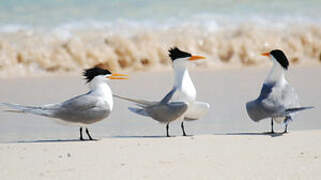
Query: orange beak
{"points": [[265, 54], [194, 58], [118, 76]]}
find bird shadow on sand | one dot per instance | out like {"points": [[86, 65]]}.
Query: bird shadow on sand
{"points": [[77, 140], [147, 137], [54, 141], [276, 134]]}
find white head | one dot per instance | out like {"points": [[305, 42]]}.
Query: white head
{"points": [[181, 58]]}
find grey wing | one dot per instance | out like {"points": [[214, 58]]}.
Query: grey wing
{"points": [[264, 106], [139, 102], [78, 103], [83, 109], [276, 99], [167, 112], [168, 96], [268, 104]]}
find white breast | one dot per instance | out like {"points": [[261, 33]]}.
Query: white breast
{"points": [[185, 87]]}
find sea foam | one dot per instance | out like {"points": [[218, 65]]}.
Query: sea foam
{"points": [[132, 46]]}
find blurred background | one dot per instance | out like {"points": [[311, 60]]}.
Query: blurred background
{"points": [[41, 37]]}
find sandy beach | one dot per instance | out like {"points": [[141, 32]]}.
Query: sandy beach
{"points": [[46, 45], [296, 155], [226, 143]]}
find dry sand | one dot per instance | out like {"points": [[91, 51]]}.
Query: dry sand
{"points": [[226, 145], [296, 155]]}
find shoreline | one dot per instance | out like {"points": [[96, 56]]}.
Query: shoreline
{"points": [[25, 53], [198, 68]]}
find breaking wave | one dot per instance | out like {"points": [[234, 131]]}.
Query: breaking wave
{"points": [[128, 46]]}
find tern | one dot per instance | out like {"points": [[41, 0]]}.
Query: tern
{"points": [[182, 92], [164, 111], [81, 110], [185, 88], [277, 100]]}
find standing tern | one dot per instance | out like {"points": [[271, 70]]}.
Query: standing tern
{"points": [[163, 111], [82, 110], [277, 100], [182, 95], [185, 87]]}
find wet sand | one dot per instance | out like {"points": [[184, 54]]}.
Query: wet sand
{"points": [[225, 90], [226, 145]]}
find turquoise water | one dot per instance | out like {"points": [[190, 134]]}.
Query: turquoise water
{"points": [[51, 13]]}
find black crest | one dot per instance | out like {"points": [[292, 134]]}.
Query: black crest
{"points": [[280, 57], [91, 73], [176, 53]]}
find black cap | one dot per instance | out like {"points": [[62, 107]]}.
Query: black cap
{"points": [[91, 73], [280, 57], [175, 53]]}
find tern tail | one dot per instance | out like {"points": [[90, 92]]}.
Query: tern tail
{"points": [[46, 110], [144, 103], [139, 102], [139, 111], [296, 109]]}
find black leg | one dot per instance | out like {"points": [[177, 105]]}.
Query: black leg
{"points": [[182, 125], [272, 130], [167, 126], [286, 128], [286, 121], [90, 138], [80, 131]]}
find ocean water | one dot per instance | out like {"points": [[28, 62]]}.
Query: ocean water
{"points": [[57, 36]]}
